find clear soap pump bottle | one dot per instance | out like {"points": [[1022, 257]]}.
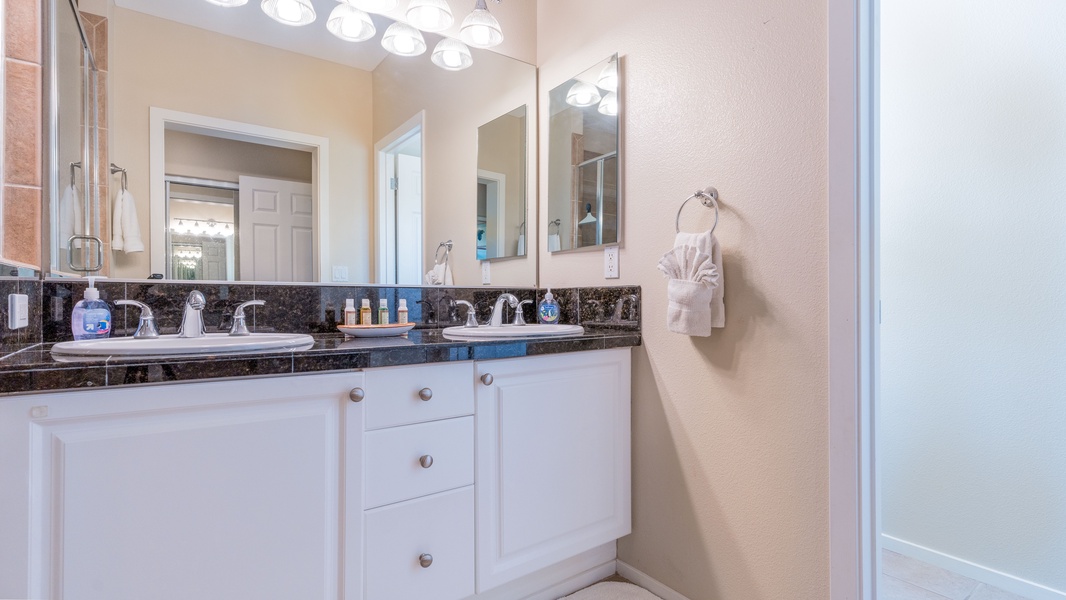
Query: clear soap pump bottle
{"points": [[91, 319], [548, 309]]}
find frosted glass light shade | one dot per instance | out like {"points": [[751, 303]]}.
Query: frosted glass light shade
{"points": [[608, 80], [480, 29], [583, 94], [374, 6], [289, 12], [452, 55], [350, 24], [403, 40], [609, 105], [228, 3], [430, 15]]}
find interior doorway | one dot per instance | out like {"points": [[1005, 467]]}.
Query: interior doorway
{"points": [[399, 204]]}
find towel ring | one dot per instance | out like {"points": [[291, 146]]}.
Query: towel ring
{"points": [[709, 198], [117, 169], [557, 223], [447, 250]]}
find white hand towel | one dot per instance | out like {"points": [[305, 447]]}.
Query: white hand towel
{"points": [[706, 244], [70, 217], [131, 226], [521, 245], [116, 223], [555, 243]]}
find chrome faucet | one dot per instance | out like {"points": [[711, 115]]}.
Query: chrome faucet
{"points": [[146, 325], [471, 315], [519, 317], [240, 327], [496, 319], [192, 320], [619, 306]]}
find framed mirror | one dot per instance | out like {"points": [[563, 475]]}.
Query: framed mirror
{"points": [[501, 187], [288, 154], [584, 162]]}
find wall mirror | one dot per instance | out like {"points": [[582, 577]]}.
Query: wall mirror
{"points": [[255, 151], [501, 187], [584, 167]]}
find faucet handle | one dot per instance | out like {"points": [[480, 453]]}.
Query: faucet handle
{"points": [[519, 318], [146, 325], [240, 327], [471, 314]]}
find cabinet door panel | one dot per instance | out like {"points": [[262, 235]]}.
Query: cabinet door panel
{"points": [[553, 460], [392, 395], [394, 473]]}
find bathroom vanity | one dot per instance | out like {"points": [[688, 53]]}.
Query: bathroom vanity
{"points": [[471, 478]]}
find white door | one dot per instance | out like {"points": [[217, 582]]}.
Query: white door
{"points": [[553, 471], [408, 219], [277, 241]]}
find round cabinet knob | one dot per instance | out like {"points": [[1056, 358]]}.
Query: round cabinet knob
{"points": [[357, 394], [486, 379], [425, 560], [425, 394], [426, 461]]}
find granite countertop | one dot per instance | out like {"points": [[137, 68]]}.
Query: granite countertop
{"points": [[33, 369]]}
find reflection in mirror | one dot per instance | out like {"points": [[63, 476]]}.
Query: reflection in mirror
{"points": [[501, 186], [584, 200], [193, 98]]}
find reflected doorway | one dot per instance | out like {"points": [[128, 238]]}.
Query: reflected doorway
{"points": [[399, 205]]}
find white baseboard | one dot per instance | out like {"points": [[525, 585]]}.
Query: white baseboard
{"points": [[1010, 583], [560, 579], [647, 582]]}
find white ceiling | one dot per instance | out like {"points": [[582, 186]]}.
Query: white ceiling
{"points": [[248, 22]]}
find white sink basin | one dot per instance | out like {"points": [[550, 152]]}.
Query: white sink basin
{"points": [[511, 331], [212, 343]]}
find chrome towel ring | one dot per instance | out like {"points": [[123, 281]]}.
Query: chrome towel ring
{"points": [[708, 197]]}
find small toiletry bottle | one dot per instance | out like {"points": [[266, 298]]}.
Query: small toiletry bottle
{"points": [[401, 312], [351, 316], [548, 309], [91, 319], [364, 313], [383, 312]]}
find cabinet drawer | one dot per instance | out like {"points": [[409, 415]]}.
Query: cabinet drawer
{"points": [[399, 536], [392, 394], [394, 459]]}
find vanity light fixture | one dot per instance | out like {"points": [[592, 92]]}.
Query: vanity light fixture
{"points": [[374, 6], [480, 29], [608, 80], [430, 15], [609, 105], [583, 94], [228, 3], [588, 216], [289, 12], [452, 55], [403, 40], [350, 24]]}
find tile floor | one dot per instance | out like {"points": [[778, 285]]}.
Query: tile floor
{"points": [[906, 578]]}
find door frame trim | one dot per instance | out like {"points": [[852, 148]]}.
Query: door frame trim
{"points": [[397, 136], [162, 120]]}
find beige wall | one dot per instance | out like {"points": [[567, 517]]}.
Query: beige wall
{"points": [[167, 65], [499, 149], [463, 101], [192, 155], [730, 455]]}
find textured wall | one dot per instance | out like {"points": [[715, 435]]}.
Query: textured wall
{"points": [[730, 433], [974, 282]]}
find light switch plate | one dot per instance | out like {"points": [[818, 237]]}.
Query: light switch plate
{"points": [[610, 262], [18, 311], [486, 272]]}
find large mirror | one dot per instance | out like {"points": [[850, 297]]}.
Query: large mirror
{"points": [[584, 170], [501, 187], [247, 150]]}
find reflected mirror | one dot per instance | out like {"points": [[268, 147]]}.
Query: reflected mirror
{"points": [[501, 187], [584, 199], [249, 150]]}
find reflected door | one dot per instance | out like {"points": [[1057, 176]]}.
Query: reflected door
{"points": [[276, 230]]}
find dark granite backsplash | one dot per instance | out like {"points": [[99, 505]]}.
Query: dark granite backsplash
{"points": [[297, 308]]}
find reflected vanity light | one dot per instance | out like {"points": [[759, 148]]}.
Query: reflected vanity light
{"points": [[480, 29], [403, 40], [452, 55], [350, 24], [583, 94], [209, 227], [588, 216], [609, 105], [608, 79], [228, 3], [430, 15], [374, 6], [289, 12]]}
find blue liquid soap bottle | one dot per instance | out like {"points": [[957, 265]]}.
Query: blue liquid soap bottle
{"points": [[92, 317], [548, 309]]}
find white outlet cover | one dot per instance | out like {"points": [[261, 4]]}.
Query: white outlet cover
{"points": [[610, 262], [486, 272], [18, 311], [340, 273]]}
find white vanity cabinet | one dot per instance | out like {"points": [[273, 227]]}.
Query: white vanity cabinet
{"points": [[227, 489], [553, 473]]}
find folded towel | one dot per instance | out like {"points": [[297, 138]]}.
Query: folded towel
{"points": [[555, 243], [696, 291], [521, 245], [70, 217], [125, 227], [440, 274]]}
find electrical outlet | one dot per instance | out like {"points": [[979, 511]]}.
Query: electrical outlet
{"points": [[486, 272], [610, 262], [340, 273], [18, 311]]}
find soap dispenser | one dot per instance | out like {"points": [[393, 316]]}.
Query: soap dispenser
{"points": [[91, 319], [548, 309]]}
